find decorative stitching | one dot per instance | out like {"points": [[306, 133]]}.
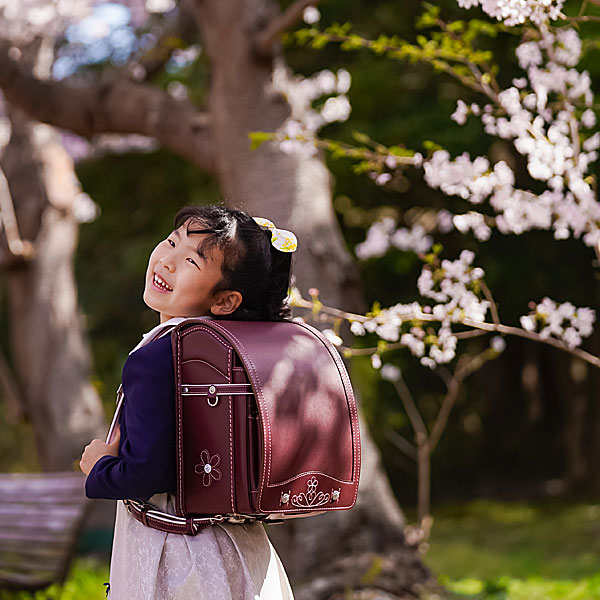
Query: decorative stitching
{"points": [[233, 506], [310, 498], [304, 474], [179, 496], [207, 467], [189, 360]]}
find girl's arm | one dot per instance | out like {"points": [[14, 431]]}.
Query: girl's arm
{"points": [[145, 462]]}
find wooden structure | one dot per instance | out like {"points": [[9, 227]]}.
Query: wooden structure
{"points": [[41, 515]]}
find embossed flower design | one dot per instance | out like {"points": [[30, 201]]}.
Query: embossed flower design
{"points": [[207, 467]]}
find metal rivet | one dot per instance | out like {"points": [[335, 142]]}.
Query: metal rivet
{"points": [[212, 389], [185, 390], [335, 495], [207, 468], [285, 498]]}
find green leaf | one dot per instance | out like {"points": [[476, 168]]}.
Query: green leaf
{"points": [[258, 138]]}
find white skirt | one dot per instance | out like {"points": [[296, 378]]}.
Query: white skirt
{"points": [[222, 562]]}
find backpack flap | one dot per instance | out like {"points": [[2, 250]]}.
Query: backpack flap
{"points": [[310, 454]]}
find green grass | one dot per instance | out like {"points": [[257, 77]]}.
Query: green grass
{"points": [[85, 582], [481, 550], [517, 551]]}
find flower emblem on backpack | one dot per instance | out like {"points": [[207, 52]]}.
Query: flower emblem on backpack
{"points": [[207, 467], [311, 497]]}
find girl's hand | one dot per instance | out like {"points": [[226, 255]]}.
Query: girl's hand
{"points": [[96, 449]]}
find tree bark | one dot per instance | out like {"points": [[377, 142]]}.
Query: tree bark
{"points": [[49, 351]]}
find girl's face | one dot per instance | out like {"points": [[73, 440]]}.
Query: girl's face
{"points": [[179, 281]]}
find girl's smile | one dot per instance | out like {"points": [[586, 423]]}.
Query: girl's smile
{"points": [[161, 284], [181, 280]]}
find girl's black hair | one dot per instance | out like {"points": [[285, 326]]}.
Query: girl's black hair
{"points": [[251, 264]]}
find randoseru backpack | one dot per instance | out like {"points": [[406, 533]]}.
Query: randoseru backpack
{"points": [[267, 425]]}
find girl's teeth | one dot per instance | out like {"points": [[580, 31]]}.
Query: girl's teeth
{"points": [[161, 284]]}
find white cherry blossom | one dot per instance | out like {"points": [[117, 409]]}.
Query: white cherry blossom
{"points": [[384, 234], [561, 321], [517, 12]]}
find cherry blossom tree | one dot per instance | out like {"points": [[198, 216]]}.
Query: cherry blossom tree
{"points": [[547, 115]]}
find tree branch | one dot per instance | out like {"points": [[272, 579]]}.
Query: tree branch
{"points": [[401, 443], [114, 105], [463, 370], [266, 38], [478, 325], [412, 411], [488, 296]]}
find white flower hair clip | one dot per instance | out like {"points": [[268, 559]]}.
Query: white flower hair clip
{"points": [[283, 240]]}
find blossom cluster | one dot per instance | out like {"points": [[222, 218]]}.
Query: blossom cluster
{"points": [[384, 234], [451, 286], [431, 348], [562, 321], [517, 12], [388, 321], [305, 120], [545, 115]]}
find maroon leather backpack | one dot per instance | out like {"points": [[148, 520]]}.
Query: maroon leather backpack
{"points": [[267, 425]]}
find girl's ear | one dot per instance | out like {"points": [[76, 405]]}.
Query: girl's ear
{"points": [[227, 302]]}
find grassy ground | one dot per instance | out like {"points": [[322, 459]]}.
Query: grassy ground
{"points": [[481, 550], [517, 551], [85, 582]]}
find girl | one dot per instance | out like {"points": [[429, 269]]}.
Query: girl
{"points": [[217, 262]]}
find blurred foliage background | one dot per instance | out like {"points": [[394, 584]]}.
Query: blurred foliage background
{"points": [[509, 435], [516, 432]]}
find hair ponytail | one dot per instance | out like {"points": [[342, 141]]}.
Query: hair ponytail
{"points": [[279, 285]]}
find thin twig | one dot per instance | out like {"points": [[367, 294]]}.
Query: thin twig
{"points": [[488, 296], [463, 370], [440, 63], [401, 443], [584, 19], [282, 22], [411, 408], [445, 410]]}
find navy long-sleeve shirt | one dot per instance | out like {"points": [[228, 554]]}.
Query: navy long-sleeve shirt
{"points": [[146, 462]]}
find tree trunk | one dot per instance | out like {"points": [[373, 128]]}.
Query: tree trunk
{"points": [[49, 351], [248, 93]]}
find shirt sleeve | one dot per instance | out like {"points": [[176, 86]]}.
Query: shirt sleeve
{"points": [[145, 464]]}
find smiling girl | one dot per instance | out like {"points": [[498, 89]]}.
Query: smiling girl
{"points": [[216, 262]]}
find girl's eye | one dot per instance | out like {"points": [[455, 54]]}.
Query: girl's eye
{"points": [[171, 242], [192, 261]]}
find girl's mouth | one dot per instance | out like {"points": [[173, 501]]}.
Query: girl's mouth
{"points": [[161, 284]]}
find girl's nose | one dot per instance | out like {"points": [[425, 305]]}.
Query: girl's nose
{"points": [[167, 264]]}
